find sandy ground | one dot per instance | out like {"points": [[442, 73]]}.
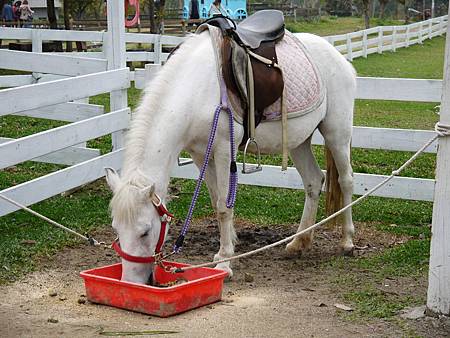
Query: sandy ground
{"points": [[269, 296]]}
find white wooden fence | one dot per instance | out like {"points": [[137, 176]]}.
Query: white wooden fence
{"points": [[57, 83], [52, 91], [59, 80], [387, 38]]}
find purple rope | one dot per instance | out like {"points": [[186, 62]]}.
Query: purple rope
{"points": [[233, 180], [231, 198]]}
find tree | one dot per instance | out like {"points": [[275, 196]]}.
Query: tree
{"points": [[341, 7], [78, 8], [366, 11], [51, 14], [67, 23], [160, 12], [383, 4], [406, 4], [150, 4]]}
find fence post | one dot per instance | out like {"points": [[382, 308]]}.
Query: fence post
{"points": [[330, 39], [150, 72], [441, 26], [438, 296], [36, 41], [36, 47], [116, 51], [394, 38], [419, 36], [430, 25], [364, 44], [380, 39], [349, 48], [157, 49], [407, 36]]}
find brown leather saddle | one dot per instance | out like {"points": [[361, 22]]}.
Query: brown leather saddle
{"points": [[242, 44]]}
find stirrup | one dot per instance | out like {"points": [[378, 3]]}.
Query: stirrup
{"points": [[185, 162], [254, 168]]}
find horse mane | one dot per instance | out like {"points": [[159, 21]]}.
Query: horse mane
{"points": [[127, 200], [150, 103]]}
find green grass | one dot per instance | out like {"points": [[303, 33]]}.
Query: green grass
{"points": [[419, 61], [334, 25], [374, 303], [364, 286], [83, 212], [87, 209]]}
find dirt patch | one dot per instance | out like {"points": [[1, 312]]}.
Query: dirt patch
{"points": [[270, 295]]}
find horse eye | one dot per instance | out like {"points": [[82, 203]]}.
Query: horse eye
{"points": [[144, 234]]}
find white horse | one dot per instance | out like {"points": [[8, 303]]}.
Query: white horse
{"points": [[176, 113]]}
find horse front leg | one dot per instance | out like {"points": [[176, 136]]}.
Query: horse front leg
{"points": [[224, 214], [216, 178]]}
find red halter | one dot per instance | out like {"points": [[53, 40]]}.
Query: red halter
{"points": [[166, 217]]}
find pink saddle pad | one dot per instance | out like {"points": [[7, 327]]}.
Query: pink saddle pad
{"points": [[303, 90], [302, 86]]}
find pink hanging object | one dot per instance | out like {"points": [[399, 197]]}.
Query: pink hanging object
{"points": [[136, 19]]}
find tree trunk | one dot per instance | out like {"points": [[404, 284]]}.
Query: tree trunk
{"points": [[160, 16], [51, 14], [406, 13], [382, 7], [67, 24], [366, 13], [423, 9], [151, 13]]}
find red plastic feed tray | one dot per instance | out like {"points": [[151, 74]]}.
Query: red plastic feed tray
{"points": [[203, 286]]}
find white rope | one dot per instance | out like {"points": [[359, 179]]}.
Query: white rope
{"points": [[441, 130], [91, 240]]}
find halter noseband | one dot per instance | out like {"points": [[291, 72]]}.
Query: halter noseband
{"points": [[165, 217]]}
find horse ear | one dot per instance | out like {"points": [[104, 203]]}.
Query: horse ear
{"points": [[112, 178], [148, 192]]}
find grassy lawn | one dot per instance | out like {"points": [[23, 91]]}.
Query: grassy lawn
{"points": [[334, 25], [87, 209]]}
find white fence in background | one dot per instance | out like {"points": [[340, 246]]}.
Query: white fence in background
{"points": [[387, 38], [58, 81], [53, 91]]}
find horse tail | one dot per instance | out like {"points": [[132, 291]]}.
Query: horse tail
{"points": [[334, 196]]}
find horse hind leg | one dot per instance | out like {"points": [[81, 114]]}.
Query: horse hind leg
{"points": [[340, 150], [313, 178]]}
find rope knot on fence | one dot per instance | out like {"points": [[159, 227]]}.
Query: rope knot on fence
{"points": [[442, 129]]}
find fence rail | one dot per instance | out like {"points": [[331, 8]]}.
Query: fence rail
{"points": [[352, 45], [60, 91], [387, 38], [52, 90]]}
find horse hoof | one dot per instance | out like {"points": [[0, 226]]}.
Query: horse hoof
{"points": [[225, 267], [297, 247], [348, 251], [292, 251]]}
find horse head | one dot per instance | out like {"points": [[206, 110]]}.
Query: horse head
{"points": [[139, 220]]}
